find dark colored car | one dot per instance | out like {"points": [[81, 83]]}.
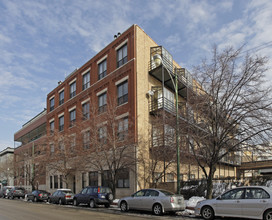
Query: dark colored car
{"points": [[62, 197], [38, 195], [93, 196], [4, 192], [18, 192]]}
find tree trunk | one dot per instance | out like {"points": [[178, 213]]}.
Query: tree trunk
{"points": [[210, 182]]}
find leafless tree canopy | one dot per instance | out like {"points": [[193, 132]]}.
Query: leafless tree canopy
{"points": [[231, 106]]}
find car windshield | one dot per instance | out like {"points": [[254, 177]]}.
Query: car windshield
{"points": [[167, 193]]}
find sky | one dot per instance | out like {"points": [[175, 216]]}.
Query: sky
{"points": [[43, 41]]}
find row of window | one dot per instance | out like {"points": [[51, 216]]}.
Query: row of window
{"points": [[122, 179], [102, 72], [122, 134], [122, 98]]}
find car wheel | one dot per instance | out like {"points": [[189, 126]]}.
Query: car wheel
{"points": [[268, 215], [75, 203], [35, 199], [157, 209], [92, 203], [207, 213], [107, 205], [123, 206], [60, 202]]}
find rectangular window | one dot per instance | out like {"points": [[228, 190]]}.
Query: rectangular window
{"points": [[123, 179], [61, 181], [86, 140], [83, 180], [102, 69], [73, 90], [122, 93], [73, 142], [61, 97], [52, 104], [102, 132], [122, 129], [52, 149], [61, 123], [170, 177], [86, 111], [102, 103], [72, 117], [56, 184], [52, 127], [122, 56], [51, 182], [158, 177], [86, 81], [106, 178], [61, 146], [93, 178]]}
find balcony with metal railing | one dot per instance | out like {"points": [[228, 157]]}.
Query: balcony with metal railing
{"points": [[162, 68], [162, 103]]}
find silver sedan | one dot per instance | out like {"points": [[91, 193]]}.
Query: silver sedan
{"points": [[157, 201], [254, 202]]}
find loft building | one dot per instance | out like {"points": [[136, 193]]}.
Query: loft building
{"points": [[128, 89]]}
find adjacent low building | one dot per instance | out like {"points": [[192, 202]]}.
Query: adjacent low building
{"points": [[6, 167]]}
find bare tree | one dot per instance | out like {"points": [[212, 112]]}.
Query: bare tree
{"points": [[158, 159], [29, 166], [230, 108], [110, 143], [63, 152]]}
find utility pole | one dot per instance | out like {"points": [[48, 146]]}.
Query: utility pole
{"points": [[177, 133]]}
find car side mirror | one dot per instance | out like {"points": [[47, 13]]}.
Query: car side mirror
{"points": [[132, 195], [219, 198]]}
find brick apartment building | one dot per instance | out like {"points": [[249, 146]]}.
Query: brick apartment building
{"points": [[131, 79]]}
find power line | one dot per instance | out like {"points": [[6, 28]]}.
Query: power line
{"points": [[260, 47]]}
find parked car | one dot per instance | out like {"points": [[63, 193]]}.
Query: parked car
{"points": [[254, 202], [93, 196], [4, 192], [16, 191], [62, 197], [38, 195], [156, 200]]}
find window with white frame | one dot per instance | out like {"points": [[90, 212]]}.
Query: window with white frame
{"points": [[102, 69], [122, 129], [72, 89], [52, 104], [102, 103], [102, 135], [122, 56], [72, 117], [86, 81], [86, 111], [52, 126], [86, 140], [61, 123], [61, 145], [122, 93], [52, 149], [61, 97]]}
